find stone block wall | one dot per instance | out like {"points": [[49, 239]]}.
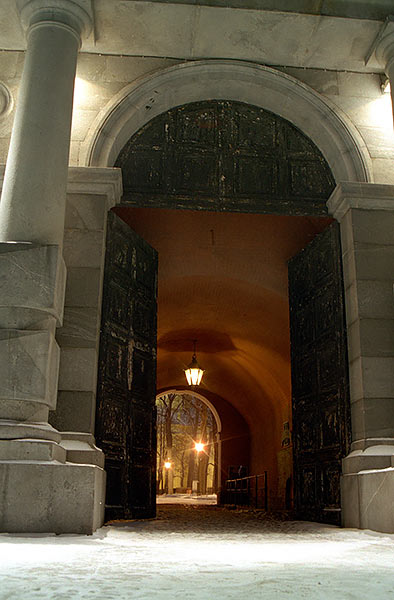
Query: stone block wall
{"points": [[91, 193], [37, 462], [100, 78], [366, 216], [359, 97]]}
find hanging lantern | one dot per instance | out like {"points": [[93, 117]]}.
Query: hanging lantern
{"points": [[194, 372]]}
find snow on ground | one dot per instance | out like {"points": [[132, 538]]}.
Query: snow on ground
{"points": [[186, 499], [198, 552]]}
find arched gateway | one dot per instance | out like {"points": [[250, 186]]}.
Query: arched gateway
{"points": [[225, 155], [189, 417], [222, 273]]}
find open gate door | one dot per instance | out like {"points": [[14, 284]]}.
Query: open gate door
{"points": [[319, 371], [126, 391]]}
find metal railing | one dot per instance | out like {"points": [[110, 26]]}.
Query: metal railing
{"points": [[248, 491]]}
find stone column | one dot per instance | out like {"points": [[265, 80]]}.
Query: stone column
{"points": [[34, 190], [366, 215], [384, 52], [40, 490]]}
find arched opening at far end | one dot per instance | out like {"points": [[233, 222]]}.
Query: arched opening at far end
{"points": [[188, 447]]}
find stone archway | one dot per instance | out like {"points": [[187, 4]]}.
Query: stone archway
{"points": [[202, 398], [333, 139], [264, 87]]}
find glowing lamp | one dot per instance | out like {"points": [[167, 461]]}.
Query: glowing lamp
{"points": [[199, 446], [194, 372], [168, 464]]}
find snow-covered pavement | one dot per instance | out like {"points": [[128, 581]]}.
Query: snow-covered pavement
{"points": [[186, 499], [200, 552]]}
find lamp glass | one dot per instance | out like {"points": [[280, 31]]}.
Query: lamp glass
{"points": [[194, 375], [194, 372]]}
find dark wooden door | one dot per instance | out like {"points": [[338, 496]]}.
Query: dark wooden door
{"points": [[126, 415], [224, 156], [320, 396]]}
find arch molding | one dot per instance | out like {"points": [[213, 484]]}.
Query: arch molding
{"points": [[264, 87]]}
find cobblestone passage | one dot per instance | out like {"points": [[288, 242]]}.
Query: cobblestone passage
{"points": [[216, 519]]}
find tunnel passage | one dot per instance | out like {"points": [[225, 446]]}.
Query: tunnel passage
{"points": [[223, 281]]}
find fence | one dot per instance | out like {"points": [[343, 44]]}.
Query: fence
{"points": [[248, 491]]}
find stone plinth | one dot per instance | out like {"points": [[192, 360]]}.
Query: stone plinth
{"points": [[43, 489], [368, 499], [80, 448], [51, 497]]}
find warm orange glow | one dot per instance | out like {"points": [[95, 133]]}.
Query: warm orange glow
{"points": [[168, 464], [194, 376], [247, 358], [199, 446]]}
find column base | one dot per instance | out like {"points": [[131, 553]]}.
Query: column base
{"points": [[367, 488], [81, 448], [33, 450], [51, 497], [13, 430]]}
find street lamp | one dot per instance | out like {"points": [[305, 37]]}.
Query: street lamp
{"points": [[169, 476], [194, 372], [199, 447]]}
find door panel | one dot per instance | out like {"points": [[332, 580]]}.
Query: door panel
{"points": [[320, 387], [224, 155], [126, 391]]}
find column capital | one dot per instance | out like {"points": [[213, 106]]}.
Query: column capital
{"points": [[385, 47], [382, 48], [362, 196], [76, 14]]}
